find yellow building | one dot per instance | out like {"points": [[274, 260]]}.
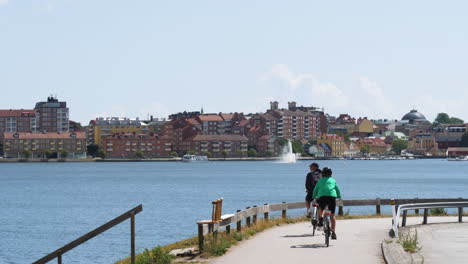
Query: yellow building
{"points": [[101, 127], [335, 142]]}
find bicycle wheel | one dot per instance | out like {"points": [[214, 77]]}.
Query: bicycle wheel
{"points": [[314, 221], [326, 226]]}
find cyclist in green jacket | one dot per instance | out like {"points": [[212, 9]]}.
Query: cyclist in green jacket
{"points": [[326, 191]]}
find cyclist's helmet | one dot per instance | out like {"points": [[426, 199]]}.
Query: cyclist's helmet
{"points": [[327, 172]]}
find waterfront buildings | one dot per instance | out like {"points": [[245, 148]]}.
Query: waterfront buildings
{"points": [[376, 145], [423, 143], [18, 121], [44, 144], [103, 127], [133, 145], [335, 142], [220, 145], [53, 115]]}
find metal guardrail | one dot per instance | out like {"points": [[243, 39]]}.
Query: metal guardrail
{"points": [[129, 214], [250, 214], [426, 206]]}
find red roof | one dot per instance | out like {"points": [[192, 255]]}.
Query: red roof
{"points": [[220, 138], [210, 117], [373, 141], [40, 135], [193, 121], [17, 113], [227, 117]]}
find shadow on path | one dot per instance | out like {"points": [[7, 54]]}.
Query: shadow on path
{"points": [[310, 246], [304, 235]]}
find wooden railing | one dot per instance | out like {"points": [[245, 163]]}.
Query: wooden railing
{"points": [[130, 214], [250, 214]]}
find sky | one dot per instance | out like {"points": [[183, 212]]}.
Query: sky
{"points": [[375, 59]]}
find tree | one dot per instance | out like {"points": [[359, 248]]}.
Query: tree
{"points": [[63, 154], [252, 153], [297, 146], [48, 154], [464, 140], [26, 153], [139, 154], [268, 153], [224, 153], [101, 154], [191, 152], [206, 153], [282, 141], [365, 149], [398, 145], [455, 120], [174, 154], [92, 150], [443, 118]]}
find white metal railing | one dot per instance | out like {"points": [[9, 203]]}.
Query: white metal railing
{"points": [[425, 206]]}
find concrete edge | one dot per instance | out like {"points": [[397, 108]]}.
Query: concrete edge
{"points": [[393, 253]]}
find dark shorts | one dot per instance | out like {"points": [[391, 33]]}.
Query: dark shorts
{"points": [[327, 200], [309, 198]]}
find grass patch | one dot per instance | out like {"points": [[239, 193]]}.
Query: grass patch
{"points": [[409, 241], [438, 211], [217, 246]]}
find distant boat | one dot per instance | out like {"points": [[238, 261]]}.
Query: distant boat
{"points": [[188, 158], [465, 158]]}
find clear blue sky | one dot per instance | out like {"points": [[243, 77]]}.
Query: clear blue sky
{"points": [[114, 58]]}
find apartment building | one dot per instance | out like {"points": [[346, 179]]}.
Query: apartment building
{"points": [[124, 145], [335, 142], [41, 143], [18, 121], [233, 145], [103, 127], [54, 115]]}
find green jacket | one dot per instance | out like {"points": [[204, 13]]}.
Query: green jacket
{"points": [[326, 186]]}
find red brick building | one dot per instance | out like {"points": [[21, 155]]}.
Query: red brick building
{"points": [[40, 143], [18, 121], [121, 145], [234, 145]]}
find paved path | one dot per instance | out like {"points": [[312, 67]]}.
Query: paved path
{"points": [[359, 241], [444, 243]]}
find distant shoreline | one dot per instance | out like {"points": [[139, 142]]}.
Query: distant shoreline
{"points": [[179, 159]]}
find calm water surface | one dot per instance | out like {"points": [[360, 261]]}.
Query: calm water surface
{"points": [[46, 205]]}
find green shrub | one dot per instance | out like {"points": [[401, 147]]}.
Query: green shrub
{"points": [[156, 256], [438, 211], [409, 241]]}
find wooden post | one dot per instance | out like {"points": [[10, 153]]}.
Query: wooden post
{"points": [[340, 208], [377, 207], [239, 224], [59, 258], [200, 237], [283, 212], [265, 215], [460, 212], [247, 220], [403, 223], [132, 237], [255, 215], [426, 211], [228, 229], [416, 211]]}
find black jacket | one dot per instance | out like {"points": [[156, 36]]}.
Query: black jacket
{"points": [[311, 179]]}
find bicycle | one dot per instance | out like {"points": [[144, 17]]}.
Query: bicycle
{"points": [[326, 225], [315, 216]]}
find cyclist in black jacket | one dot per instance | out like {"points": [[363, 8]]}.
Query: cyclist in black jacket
{"points": [[311, 180]]}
